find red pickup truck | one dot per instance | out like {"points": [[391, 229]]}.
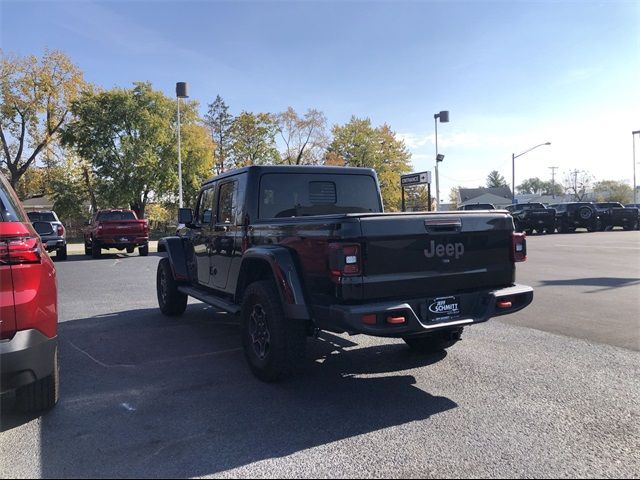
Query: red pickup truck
{"points": [[120, 229]]}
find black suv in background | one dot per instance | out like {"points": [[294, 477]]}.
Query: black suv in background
{"points": [[570, 216], [528, 217], [614, 214], [51, 231], [477, 206]]}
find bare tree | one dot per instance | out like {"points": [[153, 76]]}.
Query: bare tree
{"points": [[305, 138], [577, 183]]}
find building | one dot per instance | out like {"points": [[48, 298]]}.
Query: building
{"points": [[499, 197]]}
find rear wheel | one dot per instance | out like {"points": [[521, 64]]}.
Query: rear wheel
{"points": [[274, 345], [171, 301], [144, 250], [61, 253], [434, 342], [42, 394], [130, 249], [87, 248], [96, 250]]}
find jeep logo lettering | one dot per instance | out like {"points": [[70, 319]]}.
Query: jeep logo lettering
{"points": [[441, 250]]}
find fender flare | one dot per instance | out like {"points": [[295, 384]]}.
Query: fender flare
{"points": [[286, 276], [180, 253]]}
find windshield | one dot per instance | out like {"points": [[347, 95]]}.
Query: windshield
{"points": [[299, 195]]}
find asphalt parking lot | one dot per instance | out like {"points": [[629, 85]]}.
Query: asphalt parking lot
{"points": [[549, 392]]}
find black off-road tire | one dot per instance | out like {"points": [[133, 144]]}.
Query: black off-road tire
{"points": [[87, 249], [96, 250], [42, 394], [131, 249], [274, 346], [436, 341], [144, 250], [172, 302], [61, 253]]}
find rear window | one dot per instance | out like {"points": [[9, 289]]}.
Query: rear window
{"points": [[41, 217], [10, 209], [115, 216], [300, 195]]}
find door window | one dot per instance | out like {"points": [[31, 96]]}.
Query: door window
{"points": [[206, 206], [226, 213]]}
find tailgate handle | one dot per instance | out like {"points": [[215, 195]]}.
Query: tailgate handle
{"points": [[443, 224]]}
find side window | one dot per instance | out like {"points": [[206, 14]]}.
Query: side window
{"points": [[206, 206], [227, 201]]}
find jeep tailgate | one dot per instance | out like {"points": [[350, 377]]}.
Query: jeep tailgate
{"points": [[433, 254]]}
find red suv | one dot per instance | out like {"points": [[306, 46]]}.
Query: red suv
{"points": [[28, 309]]}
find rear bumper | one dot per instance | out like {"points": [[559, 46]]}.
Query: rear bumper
{"points": [[122, 242], [475, 307], [27, 357], [53, 243]]}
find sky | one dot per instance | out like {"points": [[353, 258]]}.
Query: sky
{"points": [[512, 74]]}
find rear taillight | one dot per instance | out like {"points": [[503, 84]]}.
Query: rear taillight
{"points": [[519, 247], [21, 250], [60, 230], [345, 260]]}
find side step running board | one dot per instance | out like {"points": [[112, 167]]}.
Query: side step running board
{"points": [[210, 299]]}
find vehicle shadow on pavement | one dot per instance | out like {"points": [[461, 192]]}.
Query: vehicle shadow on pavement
{"points": [[607, 283], [104, 256], [143, 395]]}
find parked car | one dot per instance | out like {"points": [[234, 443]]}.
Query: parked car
{"points": [[296, 250], [51, 231], [528, 217], [614, 214], [28, 310], [572, 215], [119, 229], [477, 206]]}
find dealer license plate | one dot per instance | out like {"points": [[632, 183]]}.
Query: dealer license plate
{"points": [[443, 309]]}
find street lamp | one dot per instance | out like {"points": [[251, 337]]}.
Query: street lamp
{"points": [[444, 118], [513, 169], [181, 92], [635, 187]]}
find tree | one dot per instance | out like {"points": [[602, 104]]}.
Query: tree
{"points": [[495, 180], [253, 139], [305, 138], [219, 121], [358, 144], [577, 183], [612, 191], [454, 194], [535, 186], [197, 154], [35, 97], [127, 135], [71, 190]]}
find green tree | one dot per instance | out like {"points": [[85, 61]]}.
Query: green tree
{"points": [[494, 180], [453, 197], [197, 158], [612, 191], [535, 186], [305, 138], [219, 121], [127, 136], [253, 140], [71, 191], [35, 97], [358, 144]]}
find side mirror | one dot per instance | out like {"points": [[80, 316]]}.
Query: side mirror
{"points": [[185, 216]]}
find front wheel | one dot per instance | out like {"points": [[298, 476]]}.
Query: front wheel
{"points": [[434, 342], [274, 345], [171, 301], [144, 250], [130, 249]]}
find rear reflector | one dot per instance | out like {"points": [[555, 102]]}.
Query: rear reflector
{"points": [[504, 304], [396, 320], [369, 319]]}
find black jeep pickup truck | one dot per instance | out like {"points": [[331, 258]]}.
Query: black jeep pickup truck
{"points": [[528, 217], [296, 250], [613, 214], [573, 215]]}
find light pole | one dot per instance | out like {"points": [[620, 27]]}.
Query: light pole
{"points": [[444, 118], [181, 92], [513, 169], [635, 187]]}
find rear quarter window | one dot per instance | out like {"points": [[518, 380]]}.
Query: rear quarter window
{"points": [[10, 207]]}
